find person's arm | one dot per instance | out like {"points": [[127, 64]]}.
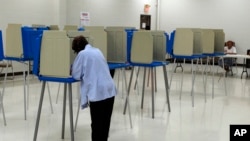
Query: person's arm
{"points": [[77, 73], [225, 50], [232, 51], [77, 67]]}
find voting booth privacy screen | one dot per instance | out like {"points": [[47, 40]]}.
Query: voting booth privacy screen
{"points": [[56, 53], [115, 43], [159, 45], [197, 41], [100, 35], [20, 40], [117, 46]]}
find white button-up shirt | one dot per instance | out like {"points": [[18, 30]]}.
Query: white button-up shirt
{"points": [[92, 69]]}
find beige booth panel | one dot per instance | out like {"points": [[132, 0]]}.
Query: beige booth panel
{"points": [[55, 54], [53, 27], [142, 47], [197, 48], [219, 40], [14, 47], [159, 45], [94, 27], [183, 42], [38, 25], [70, 27], [72, 35], [117, 44], [100, 36], [207, 41]]}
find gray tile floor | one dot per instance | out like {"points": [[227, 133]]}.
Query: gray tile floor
{"points": [[205, 121]]}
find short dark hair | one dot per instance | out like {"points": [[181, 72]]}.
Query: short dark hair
{"points": [[79, 43]]}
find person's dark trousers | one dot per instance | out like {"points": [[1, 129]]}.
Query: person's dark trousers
{"points": [[112, 72], [101, 112]]}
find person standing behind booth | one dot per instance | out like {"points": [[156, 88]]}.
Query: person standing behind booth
{"points": [[97, 86], [228, 49]]}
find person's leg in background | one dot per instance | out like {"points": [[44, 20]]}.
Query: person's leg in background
{"points": [[112, 72], [220, 62], [227, 63], [101, 112]]}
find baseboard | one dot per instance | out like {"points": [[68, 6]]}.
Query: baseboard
{"points": [[15, 73]]}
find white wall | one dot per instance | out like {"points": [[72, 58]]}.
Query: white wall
{"points": [[29, 12], [230, 15], [110, 12]]}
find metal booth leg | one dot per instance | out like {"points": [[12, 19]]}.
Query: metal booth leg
{"points": [[39, 110], [78, 110], [71, 112], [64, 109], [24, 94], [50, 101], [1, 107], [155, 79], [126, 87], [166, 86], [152, 91], [130, 81], [143, 87]]}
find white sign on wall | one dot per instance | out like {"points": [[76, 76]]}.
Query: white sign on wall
{"points": [[84, 18]]}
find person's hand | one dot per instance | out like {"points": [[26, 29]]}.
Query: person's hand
{"points": [[84, 105]]}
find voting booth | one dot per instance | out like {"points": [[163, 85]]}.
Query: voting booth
{"points": [[117, 48], [53, 27], [142, 47], [70, 27], [20, 41], [100, 35], [72, 35], [187, 42], [219, 40], [197, 48], [52, 64], [56, 55], [14, 46], [29, 35], [196, 41], [145, 46], [159, 39], [207, 41], [159, 45]]}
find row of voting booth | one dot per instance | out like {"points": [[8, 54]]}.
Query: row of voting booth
{"points": [[198, 41], [114, 42], [50, 48], [195, 44]]}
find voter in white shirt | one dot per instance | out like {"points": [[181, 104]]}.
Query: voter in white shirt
{"points": [[228, 49], [97, 86]]}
